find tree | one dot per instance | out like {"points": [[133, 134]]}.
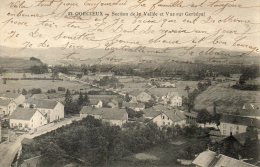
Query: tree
{"points": [[203, 117], [86, 99], [24, 92], [187, 89], [216, 116], [127, 97], [80, 99], [68, 102]]}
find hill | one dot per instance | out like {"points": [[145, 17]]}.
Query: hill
{"points": [[226, 98], [132, 56], [16, 64]]}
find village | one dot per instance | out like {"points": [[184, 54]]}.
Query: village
{"points": [[33, 104]]}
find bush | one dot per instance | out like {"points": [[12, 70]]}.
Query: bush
{"points": [[61, 89], [36, 91]]}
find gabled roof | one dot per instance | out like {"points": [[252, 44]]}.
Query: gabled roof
{"points": [[240, 120], [10, 95], [174, 114], [94, 101], [23, 113], [105, 113], [136, 92], [5, 102], [133, 105], [212, 159], [43, 103]]}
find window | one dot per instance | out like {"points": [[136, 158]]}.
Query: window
{"points": [[169, 123], [26, 125], [163, 123], [224, 126], [20, 125], [163, 117]]}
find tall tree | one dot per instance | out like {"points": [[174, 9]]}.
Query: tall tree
{"points": [[86, 99], [80, 99]]}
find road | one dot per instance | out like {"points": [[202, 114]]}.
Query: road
{"points": [[8, 150]]}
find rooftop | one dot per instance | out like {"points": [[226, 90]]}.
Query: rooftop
{"points": [[10, 95], [106, 113], [23, 113], [240, 120], [4, 102], [43, 103], [212, 159]]}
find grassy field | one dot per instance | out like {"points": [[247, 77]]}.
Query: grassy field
{"points": [[43, 84], [166, 153], [16, 63], [227, 98]]}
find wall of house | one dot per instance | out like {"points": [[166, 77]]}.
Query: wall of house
{"points": [[162, 120], [57, 113], [3, 110], [115, 122], [227, 128], [36, 121], [95, 116], [11, 107], [176, 101], [7, 110]]}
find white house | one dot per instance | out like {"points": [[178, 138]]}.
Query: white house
{"points": [[139, 96], [95, 103], [173, 99], [236, 124], [166, 117], [134, 106], [7, 107], [27, 119], [16, 97], [114, 116], [53, 110], [176, 101]]}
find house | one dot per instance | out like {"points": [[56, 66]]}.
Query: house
{"points": [[173, 99], [167, 85], [166, 117], [134, 106], [16, 97], [114, 116], [27, 119], [139, 96], [176, 101], [251, 110], [7, 107], [99, 101], [236, 124], [95, 103], [212, 159], [54, 110], [191, 117]]}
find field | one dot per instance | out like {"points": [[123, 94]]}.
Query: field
{"points": [[166, 155], [43, 84], [227, 98], [16, 63]]}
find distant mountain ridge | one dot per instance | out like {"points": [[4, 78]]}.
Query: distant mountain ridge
{"points": [[100, 56]]}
